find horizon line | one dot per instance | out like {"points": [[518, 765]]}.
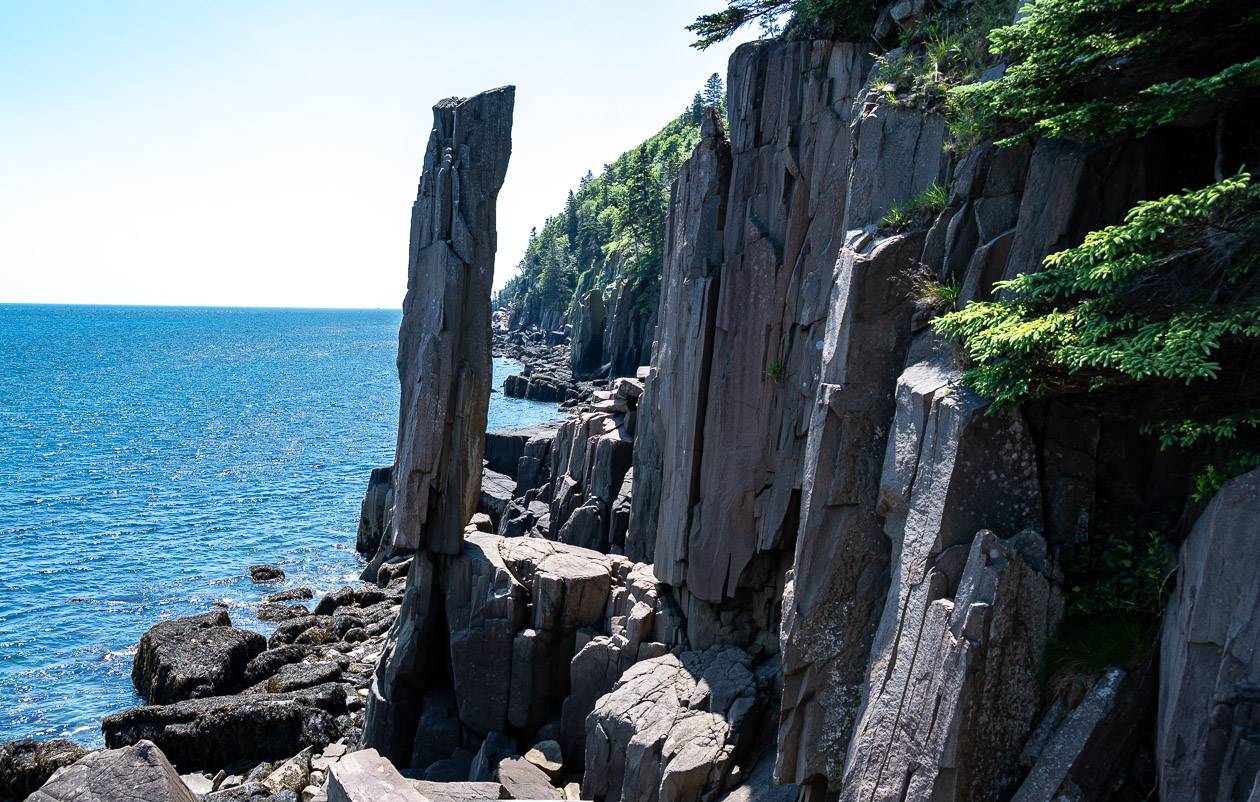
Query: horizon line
{"points": [[206, 306]]}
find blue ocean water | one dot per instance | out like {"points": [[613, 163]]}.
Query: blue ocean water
{"points": [[148, 455]]}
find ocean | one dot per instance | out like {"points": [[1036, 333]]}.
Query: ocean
{"points": [[149, 455]]}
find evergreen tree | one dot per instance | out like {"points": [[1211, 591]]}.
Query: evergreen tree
{"points": [[695, 112], [714, 91], [571, 220]]}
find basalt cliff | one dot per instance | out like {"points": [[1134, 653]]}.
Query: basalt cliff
{"points": [[785, 551]]}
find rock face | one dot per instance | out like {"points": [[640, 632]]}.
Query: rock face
{"points": [[444, 341], [365, 776], [138, 773], [1209, 697], [588, 335], [671, 727], [27, 764], [215, 731], [194, 657], [374, 515]]}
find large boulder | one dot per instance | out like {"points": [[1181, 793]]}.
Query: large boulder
{"points": [[213, 732], [670, 729], [26, 764], [365, 776], [137, 773], [195, 657], [1209, 696], [523, 780]]}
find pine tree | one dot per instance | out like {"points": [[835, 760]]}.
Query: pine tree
{"points": [[571, 220], [696, 110], [714, 91]]}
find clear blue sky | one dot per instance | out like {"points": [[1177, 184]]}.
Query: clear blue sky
{"points": [[266, 153]]}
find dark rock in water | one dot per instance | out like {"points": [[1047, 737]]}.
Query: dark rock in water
{"points": [[293, 594], [26, 764], [270, 661], [515, 386], [139, 773], [210, 733], [281, 612], [266, 573], [194, 657]]}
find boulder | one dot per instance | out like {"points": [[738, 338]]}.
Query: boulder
{"points": [[269, 662], [213, 732], [1209, 682], [459, 791], [493, 750], [293, 594], [194, 657], [137, 773], [669, 730], [546, 756], [26, 764], [266, 573], [365, 776], [497, 490], [523, 780]]}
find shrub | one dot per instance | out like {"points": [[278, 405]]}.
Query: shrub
{"points": [[1107, 68], [1168, 300]]}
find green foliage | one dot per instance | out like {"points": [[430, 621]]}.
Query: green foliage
{"points": [[774, 371], [1169, 299], [1088, 645], [919, 209], [930, 293], [613, 224], [1113, 576], [948, 47], [846, 18], [1110, 68]]}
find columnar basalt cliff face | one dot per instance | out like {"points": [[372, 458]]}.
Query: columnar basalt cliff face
{"points": [[800, 550], [444, 341], [444, 371]]}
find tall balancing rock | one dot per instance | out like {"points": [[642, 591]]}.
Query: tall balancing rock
{"points": [[444, 368], [444, 365]]}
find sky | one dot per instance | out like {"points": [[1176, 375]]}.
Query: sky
{"points": [[267, 153]]}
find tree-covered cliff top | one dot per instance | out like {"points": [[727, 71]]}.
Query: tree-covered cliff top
{"points": [[612, 225]]}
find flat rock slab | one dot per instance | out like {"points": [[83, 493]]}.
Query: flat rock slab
{"points": [[211, 733], [139, 773], [459, 792], [194, 657], [365, 776], [523, 780]]}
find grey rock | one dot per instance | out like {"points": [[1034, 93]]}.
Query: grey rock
{"points": [[194, 657], [1209, 694], [458, 791], [444, 341], [138, 773], [493, 750], [670, 728], [365, 776], [523, 780], [269, 662], [266, 573], [497, 490], [374, 513], [587, 345], [829, 615]]}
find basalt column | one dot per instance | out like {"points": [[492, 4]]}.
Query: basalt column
{"points": [[444, 370]]}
